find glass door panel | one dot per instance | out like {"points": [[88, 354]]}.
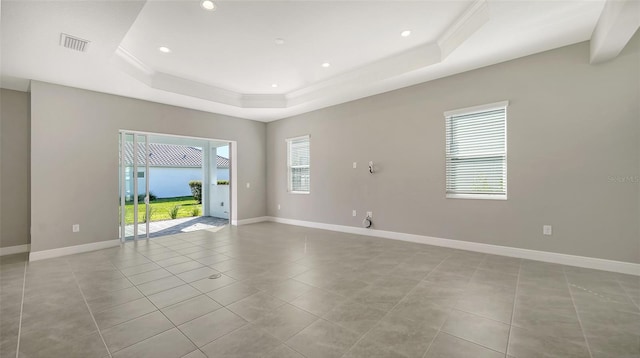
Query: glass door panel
{"points": [[127, 217], [143, 186], [134, 186]]}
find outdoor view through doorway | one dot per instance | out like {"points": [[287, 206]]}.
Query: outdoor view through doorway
{"points": [[177, 184]]}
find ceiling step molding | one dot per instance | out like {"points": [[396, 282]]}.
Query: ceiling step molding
{"points": [[620, 19], [342, 87], [466, 25]]}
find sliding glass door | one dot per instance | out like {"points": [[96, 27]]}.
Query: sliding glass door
{"points": [[134, 186]]}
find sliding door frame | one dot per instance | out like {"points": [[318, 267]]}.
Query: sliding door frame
{"points": [[233, 199], [134, 175]]}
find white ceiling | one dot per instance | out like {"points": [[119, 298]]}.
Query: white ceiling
{"points": [[234, 47], [227, 60]]}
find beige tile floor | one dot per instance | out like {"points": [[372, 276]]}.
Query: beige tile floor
{"points": [[288, 291]]}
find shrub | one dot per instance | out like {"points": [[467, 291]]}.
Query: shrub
{"points": [[144, 214], [174, 211], [195, 211], [152, 197], [196, 190], [223, 182]]}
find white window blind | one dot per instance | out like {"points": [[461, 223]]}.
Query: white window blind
{"points": [[476, 152], [298, 164]]}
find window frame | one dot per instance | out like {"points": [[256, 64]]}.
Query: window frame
{"points": [[290, 167], [472, 110]]}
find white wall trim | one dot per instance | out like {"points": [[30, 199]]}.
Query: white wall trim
{"points": [[70, 250], [258, 219], [618, 22], [18, 249], [475, 109], [564, 259]]}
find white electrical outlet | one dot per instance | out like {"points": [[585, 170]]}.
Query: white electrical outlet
{"points": [[353, 213], [355, 165], [547, 230], [248, 185], [370, 214], [75, 228], [278, 206]]}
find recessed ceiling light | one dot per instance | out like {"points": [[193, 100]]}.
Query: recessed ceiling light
{"points": [[405, 33], [274, 85], [208, 5], [164, 49], [326, 64], [279, 41]]}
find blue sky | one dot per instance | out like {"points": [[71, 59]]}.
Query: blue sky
{"points": [[223, 151]]}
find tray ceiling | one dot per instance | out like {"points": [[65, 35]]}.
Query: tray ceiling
{"points": [[264, 60]]}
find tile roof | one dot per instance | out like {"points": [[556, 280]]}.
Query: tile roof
{"points": [[171, 155]]}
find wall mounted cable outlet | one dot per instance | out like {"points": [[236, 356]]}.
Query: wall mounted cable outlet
{"points": [[75, 228], [370, 214], [547, 230]]}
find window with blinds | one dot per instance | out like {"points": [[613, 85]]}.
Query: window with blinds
{"points": [[476, 152], [298, 165]]}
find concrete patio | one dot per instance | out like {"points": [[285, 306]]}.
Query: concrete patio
{"points": [[176, 226]]}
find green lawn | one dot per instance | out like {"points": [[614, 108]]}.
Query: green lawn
{"points": [[161, 208]]}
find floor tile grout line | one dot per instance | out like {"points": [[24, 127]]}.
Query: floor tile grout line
{"points": [[584, 334], [159, 310], [226, 334], [24, 285], [392, 308], [629, 296], [174, 326], [84, 298], [467, 340], [452, 308], [222, 307], [513, 312], [133, 285], [293, 349], [304, 355], [480, 316], [518, 284], [305, 327], [190, 259]]}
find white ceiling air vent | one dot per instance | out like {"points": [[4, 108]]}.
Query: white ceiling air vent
{"points": [[73, 43]]}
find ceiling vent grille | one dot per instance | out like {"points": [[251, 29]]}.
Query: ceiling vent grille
{"points": [[73, 43]]}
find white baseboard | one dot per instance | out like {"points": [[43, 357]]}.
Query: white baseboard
{"points": [[70, 250], [564, 259], [258, 219], [18, 249]]}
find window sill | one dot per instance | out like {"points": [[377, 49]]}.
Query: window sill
{"points": [[477, 196], [300, 192]]}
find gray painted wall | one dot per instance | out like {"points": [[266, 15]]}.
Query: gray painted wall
{"points": [[77, 129], [573, 128], [14, 168]]}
